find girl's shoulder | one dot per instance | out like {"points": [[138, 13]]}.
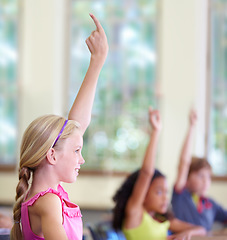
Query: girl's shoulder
{"points": [[49, 202], [45, 196]]}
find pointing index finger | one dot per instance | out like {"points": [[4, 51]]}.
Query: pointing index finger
{"points": [[97, 23]]}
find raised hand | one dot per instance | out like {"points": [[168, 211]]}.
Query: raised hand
{"points": [[82, 106], [155, 119], [97, 43], [192, 117]]}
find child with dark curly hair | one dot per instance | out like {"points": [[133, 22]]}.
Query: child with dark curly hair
{"points": [[141, 201]]}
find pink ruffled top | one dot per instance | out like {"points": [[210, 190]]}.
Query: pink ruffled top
{"points": [[72, 218]]}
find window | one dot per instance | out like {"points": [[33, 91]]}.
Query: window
{"points": [[8, 82], [217, 146], [117, 136]]}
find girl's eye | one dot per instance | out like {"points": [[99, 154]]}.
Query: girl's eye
{"points": [[77, 150], [159, 192]]}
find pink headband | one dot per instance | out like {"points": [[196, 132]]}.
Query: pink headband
{"points": [[59, 135]]}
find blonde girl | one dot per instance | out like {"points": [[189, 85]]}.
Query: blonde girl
{"points": [[50, 154]]}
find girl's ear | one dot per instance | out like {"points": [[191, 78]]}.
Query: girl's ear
{"points": [[51, 158]]}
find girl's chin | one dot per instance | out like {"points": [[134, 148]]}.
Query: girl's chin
{"points": [[71, 180], [163, 210]]}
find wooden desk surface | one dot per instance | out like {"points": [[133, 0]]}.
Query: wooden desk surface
{"points": [[216, 235], [210, 238]]}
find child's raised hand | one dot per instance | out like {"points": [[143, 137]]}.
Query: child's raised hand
{"points": [[97, 43], [192, 117], [155, 120]]}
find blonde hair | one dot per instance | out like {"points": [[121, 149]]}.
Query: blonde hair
{"points": [[37, 140]]}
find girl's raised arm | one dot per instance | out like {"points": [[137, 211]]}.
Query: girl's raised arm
{"points": [[82, 106], [147, 170], [186, 155]]}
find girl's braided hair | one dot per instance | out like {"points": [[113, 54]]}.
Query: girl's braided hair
{"points": [[37, 140]]}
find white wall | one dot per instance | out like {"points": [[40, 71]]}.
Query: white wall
{"points": [[182, 73]]}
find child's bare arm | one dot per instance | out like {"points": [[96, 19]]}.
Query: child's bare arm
{"points": [[147, 170], [49, 210], [184, 230], [82, 106], [149, 158], [185, 156]]}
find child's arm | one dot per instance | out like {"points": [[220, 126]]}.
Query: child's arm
{"points": [[184, 230], [82, 106], [134, 208], [48, 209], [185, 157]]}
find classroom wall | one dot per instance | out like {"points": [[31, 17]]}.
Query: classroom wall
{"points": [[181, 72]]}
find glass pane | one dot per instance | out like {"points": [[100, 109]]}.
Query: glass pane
{"points": [[218, 114], [8, 83], [117, 136]]}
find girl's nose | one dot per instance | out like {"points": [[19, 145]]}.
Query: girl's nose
{"points": [[82, 161], [165, 196]]}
